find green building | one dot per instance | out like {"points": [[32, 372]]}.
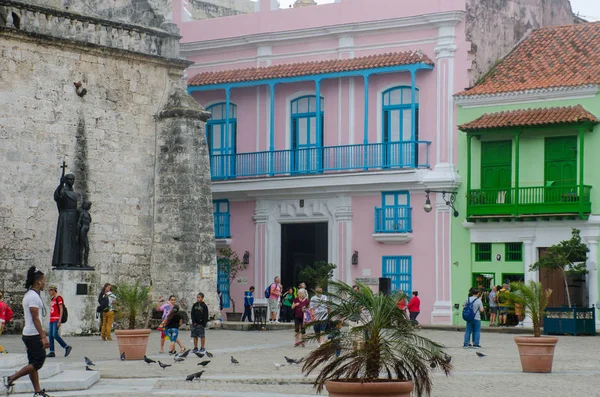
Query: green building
{"points": [[529, 156]]}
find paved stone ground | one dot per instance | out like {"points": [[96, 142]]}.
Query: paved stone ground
{"points": [[576, 367]]}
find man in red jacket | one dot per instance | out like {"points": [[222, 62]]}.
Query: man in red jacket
{"points": [[414, 308]]}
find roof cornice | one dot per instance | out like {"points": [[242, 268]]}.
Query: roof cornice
{"points": [[527, 96], [434, 20]]}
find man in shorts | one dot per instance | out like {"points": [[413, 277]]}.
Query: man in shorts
{"points": [[493, 297], [199, 316], [275, 293], [503, 305]]}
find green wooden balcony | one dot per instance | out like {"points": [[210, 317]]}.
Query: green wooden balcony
{"points": [[530, 202]]}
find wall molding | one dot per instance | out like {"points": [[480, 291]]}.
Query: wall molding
{"points": [[528, 96]]}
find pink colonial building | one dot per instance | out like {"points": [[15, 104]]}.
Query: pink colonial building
{"points": [[329, 123]]}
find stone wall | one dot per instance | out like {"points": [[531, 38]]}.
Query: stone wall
{"points": [[205, 9], [494, 27], [108, 138]]}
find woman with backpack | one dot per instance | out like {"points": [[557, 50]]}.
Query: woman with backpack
{"points": [[471, 314], [106, 309], [57, 310]]}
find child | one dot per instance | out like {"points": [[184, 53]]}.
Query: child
{"points": [[166, 309], [199, 317], [248, 303], [172, 324], [56, 312], [288, 299]]}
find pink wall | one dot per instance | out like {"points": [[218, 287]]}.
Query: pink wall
{"points": [[420, 248]]}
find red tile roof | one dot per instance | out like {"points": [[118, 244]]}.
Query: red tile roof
{"points": [[530, 118], [309, 68], [563, 56]]}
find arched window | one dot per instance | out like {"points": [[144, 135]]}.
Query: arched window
{"points": [[306, 142], [222, 141], [397, 133]]}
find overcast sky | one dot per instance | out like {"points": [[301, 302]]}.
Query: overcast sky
{"points": [[589, 9]]}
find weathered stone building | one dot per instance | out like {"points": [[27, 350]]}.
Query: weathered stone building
{"points": [[133, 140]]}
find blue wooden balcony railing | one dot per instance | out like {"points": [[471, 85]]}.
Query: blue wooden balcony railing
{"points": [[393, 219], [348, 158], [222, 225]]}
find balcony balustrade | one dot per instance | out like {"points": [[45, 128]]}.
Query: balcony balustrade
{"points": [[393, 219], [222, 222], [530, 201], [329, 159]]}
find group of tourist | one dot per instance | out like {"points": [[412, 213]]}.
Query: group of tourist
{"points": [[411, 308]]}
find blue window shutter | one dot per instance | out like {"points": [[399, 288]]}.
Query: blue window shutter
{"points": [[223, 281], [399, 270]]}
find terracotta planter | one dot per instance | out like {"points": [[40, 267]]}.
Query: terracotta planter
{"points": [[358, 389], [234, 316], [133, 342], [536, 354]]}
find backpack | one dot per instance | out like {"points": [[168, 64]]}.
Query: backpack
{"points": [[65, 315], [103, 301], [468, 313], [268, 292]]}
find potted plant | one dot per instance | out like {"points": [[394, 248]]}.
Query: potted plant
{"points": [[388, 345], [536, 352], [132, 299], [230, 264]]}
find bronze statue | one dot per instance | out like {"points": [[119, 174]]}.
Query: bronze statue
{"points": [[85, 219], [66, 247]]}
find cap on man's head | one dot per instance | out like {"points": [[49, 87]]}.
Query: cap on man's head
{"points": [[53, 288]]}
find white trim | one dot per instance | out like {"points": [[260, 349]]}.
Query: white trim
{"points": [[258, 119], [222, 242], [450, 99], [268, 119], [379, 109], [438, 115], [393, 238], [351, 114], [417, 22], [339, 113], [309, 54], [288, 114], [527, 96]]}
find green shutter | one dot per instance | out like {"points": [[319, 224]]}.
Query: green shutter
{"points": [[496, 165], [561, 161]]}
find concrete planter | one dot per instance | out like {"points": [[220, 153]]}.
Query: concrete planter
{"points": [[234, 316], [536, 354], [133, 342], [355, 388]]}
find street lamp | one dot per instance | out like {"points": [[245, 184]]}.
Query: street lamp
{"points": [[448, 200]]}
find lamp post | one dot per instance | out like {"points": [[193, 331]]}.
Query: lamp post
{"points": [[448, 197]]}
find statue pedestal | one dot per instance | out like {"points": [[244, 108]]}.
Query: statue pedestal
{"points": [[80, 290]]}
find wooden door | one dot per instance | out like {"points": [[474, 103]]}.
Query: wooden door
{"points": [[561, 161], [496, 169]]}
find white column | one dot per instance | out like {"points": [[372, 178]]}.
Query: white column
{"points": [[592, 276], [261, 217], [343, 225], [442, 307], [529, 258]]}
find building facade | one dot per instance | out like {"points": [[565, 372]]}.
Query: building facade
{"points": [[527, 142]]}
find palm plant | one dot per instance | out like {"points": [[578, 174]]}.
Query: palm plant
{"points": [[534, 299], [390, 346], [131, 300]]}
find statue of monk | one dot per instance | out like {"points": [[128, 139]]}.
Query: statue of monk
{"points": [[66, 247]]}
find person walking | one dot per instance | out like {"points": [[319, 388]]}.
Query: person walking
{"points": [[172, 324], [199, 315], [402, 304], [493, 296], [473, 330], [299, 306], [165, 308], [414, 308], [57, 307], [287, 301], [318, 304], [107, 299], [35, 340], [6, 315], [274, 295], [248, 303]]}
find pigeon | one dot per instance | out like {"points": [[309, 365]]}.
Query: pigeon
{"points": [[88, 362], [163, 366], [123, 356], [185, 353], [179, 359], [277, 365], [197, 375], [209, 355], [200, 355], [149, 361], [292, 361], [447, 358], [234, 361], [480, 354], [190, 378], [88, 368], [204, 363]]}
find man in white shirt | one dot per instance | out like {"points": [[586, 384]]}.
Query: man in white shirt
{"points": [[34, 337], [318, 304]]}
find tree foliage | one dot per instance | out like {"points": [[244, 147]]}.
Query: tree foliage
{"points": [[132, 299], [317, 274], [569, 257], [383, 342], [534, 299]]}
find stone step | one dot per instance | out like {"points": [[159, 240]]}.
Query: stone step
{"points": [[8, 361], [47, 371], [65, 381]]}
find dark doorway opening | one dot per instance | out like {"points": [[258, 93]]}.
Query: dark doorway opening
{"points": [[301, 244]]}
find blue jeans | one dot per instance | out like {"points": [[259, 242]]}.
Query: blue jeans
{"points": [[473, 328], [173, 334], [247, 313], [53, 334]]}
